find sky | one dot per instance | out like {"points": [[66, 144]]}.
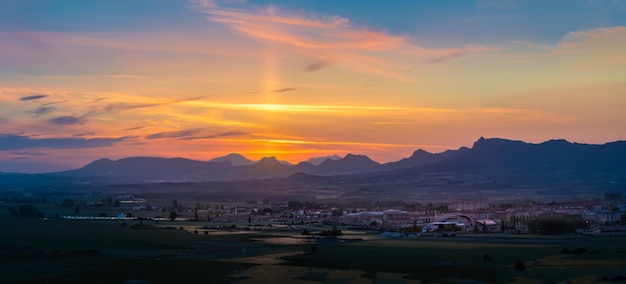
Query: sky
{"points": [[84, 80]]}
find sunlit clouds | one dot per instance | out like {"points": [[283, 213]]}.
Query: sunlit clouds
{"points": [[202, 79]]}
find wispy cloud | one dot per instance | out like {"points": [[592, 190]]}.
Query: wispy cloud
{"points": [[45, 108], [331, 37], [128, 106], [610, 37], [219, 135], [12, 142], [602, 43], [67, 120], [33, 97], [133, 128], [283, 90], [192, 134], [341, 143], [22, 153], [42, 110], [322, 108], [318, 65], [444, 57]]}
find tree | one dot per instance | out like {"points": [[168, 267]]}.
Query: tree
{"points": [[173, 215]]}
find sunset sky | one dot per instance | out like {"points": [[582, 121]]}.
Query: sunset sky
{"points": [[83, 80]]}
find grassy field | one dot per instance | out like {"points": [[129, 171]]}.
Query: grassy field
{"points": [[82, 251], [431, 259]]}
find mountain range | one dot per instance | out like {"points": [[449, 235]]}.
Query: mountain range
{"points": [[486, 156]]}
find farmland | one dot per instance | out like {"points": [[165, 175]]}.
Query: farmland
{"points": [[74, 251]]}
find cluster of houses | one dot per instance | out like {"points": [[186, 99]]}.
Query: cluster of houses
{"points": [[461, 215], [465, 215]]}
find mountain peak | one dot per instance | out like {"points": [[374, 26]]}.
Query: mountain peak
{"points": [[268, 160], [491, 142], [557, 142], [234, 159], [318, 160], [351, 163], [102, 161], [354, 158], [419, 153]]}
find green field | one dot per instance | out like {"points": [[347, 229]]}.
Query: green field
{"points": [[81, 251]]}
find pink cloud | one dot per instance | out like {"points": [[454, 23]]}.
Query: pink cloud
{"points": [[328, 38], [308, 31]]}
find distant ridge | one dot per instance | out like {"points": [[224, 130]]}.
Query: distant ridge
{"points": [[496, 154], [422, 158], [486, 156]]}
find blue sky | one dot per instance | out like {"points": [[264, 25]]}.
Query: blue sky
{"points": [[451, 20]]}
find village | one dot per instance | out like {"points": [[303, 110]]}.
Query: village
{"points": [[466, 216]]}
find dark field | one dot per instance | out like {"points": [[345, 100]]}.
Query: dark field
{"points": [[72, 251]]}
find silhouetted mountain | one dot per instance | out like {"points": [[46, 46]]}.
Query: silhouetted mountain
{"points": [[318, 160], [147, 168], [349, 164], [421, 158], [488, 159], [234, 159], [265, 168], [497, 154]]}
